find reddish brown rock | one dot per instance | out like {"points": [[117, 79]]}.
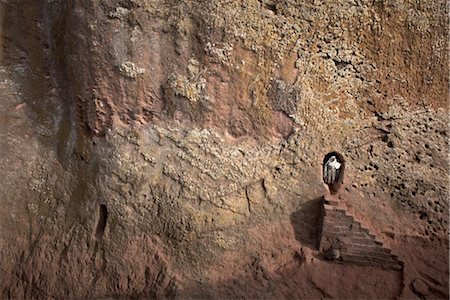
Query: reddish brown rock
{"points": [[199, 129]]}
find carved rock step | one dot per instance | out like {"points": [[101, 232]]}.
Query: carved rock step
{"points": [[357, 244], [371, 261], [333, 213], [338, 205], [368, 248], [376, 254]]}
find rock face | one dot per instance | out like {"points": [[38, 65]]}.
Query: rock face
{"points": [[173, 149]]}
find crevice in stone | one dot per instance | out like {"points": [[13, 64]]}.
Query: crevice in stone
{"points": [[101, 223]]}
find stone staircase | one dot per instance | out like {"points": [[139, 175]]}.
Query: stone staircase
{"points": [[345, 240]]}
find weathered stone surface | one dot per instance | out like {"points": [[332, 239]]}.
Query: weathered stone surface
{"points": [[420, 288], [201, 126]]}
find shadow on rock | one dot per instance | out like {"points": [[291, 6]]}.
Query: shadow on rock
{"points": [[307, 223]]}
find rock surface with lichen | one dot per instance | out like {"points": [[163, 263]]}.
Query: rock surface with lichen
{"points": [[201, 127]]}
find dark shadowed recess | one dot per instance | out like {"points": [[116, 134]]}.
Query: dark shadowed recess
{"points": [[307, 223], [101, 223]]}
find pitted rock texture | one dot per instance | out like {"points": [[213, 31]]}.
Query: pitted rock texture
{"points": [[201, 127]]}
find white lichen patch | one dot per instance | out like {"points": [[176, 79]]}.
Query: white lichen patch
{"points": [[130, 70], [183, 87], [193, 87], [120, 13], [219, 52], [33, 208]]}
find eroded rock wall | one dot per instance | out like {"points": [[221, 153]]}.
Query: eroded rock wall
{"points": [[201, 126]]}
